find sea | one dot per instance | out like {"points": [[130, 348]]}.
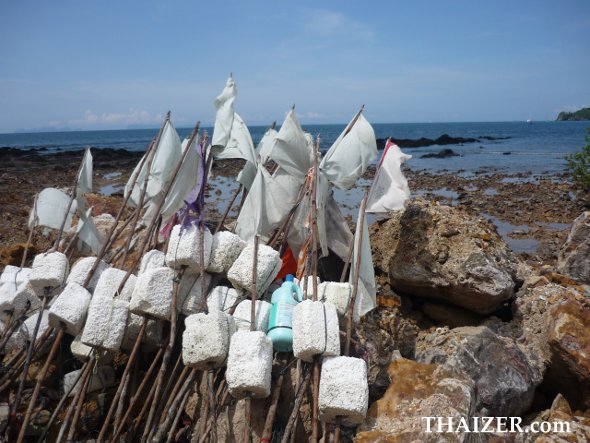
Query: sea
{"points": [[537, 148]]}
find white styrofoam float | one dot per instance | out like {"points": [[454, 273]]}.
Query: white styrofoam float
{"points": [[225, 249], [249, 364], [315, 330], [205, 341], [184, 248], [268, 266]]}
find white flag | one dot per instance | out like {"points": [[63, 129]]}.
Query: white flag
{"points": [[366, 296], [50, 209], [224, 118], [84, 183], [390, 188]]}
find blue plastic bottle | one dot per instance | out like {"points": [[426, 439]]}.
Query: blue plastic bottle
{"points": [[280, 323]]}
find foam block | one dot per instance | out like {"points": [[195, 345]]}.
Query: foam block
{"points": [[269, 265], [189, 293], [152, 294], [225, 249], [242, 315], [81, 269], [152, 259], [152, 338], [18, 302], [22, 335], [249, 364], [70, 309], [109, 283], [309, 332], [13, 278], [222, 298], [309, 293], [118, 322], [183, 248], [106, 322], [336, 293], [50, 269], [79, 349], [103, 378], [332, 331], [344, 390], [205, 341]]}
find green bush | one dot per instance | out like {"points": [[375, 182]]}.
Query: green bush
{"points": [[578, 165]]}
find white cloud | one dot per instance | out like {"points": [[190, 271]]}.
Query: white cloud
{"points": [[333, 23], [131, 117]]}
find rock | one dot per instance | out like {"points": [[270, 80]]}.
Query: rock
{"points": [[573, 257], [560, 413], [451, 316], [441, 154], [505, 381], [442, 252], [569, 344], [417, 390]]}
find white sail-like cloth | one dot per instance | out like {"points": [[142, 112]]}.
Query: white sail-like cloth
{"points": [[366, 296], [265, 145], [86, 229], [390, 188], [166, 156], [50, 209], [224, 118], [272, 197], [350, 155], [84, 183], [186, 180]]}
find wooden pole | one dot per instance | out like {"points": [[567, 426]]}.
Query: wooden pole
{"points": [[296, 406], [226, 213], [138, 394], [30, 238], [40, 379], [167, 353], [314, 264], [72, 198], [30, 348], [272, 410], [132, 357], [357, 266], [80, 401], [179, 412]]}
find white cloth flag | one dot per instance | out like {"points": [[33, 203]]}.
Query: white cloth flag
{"points": [[350, 155], [185, 181], [87, 231], [390, 188], [272, 197], [50, 209], [224, 118], [166, 154], [85, 177], [366, 296], [265, 145]]}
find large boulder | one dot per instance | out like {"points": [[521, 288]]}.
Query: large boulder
{"points": [[574, 256], [442, 252], [505, 381], [418, 390]]}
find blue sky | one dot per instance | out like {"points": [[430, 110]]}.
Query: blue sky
{"points": [[113, 64]]}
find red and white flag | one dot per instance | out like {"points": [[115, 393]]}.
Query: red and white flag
{"points": [[390, 188]]}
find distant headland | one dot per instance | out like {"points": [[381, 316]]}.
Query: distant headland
{"points": [[581, 114]]}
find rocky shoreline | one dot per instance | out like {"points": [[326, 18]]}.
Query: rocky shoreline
{"points": [[483, 293]]}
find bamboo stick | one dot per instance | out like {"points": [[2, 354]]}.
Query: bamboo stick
{"points": [[272, 410], [179, 412], [40, 379]]}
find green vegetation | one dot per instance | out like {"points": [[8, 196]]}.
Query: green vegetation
{"points": [[582, 114], [578, 165]]}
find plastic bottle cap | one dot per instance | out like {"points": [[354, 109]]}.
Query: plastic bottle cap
{"points": [[289, 277]]}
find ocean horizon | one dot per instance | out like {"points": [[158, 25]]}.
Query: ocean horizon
{"points": [[539, 147]]}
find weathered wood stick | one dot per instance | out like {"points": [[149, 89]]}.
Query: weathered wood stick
{"points": [[179, 412], [272, 410], [296, 406], [132, 357], [40, 380], [167, 353], [138, 394], [30, 347], [80, 401], [357, 267]]}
